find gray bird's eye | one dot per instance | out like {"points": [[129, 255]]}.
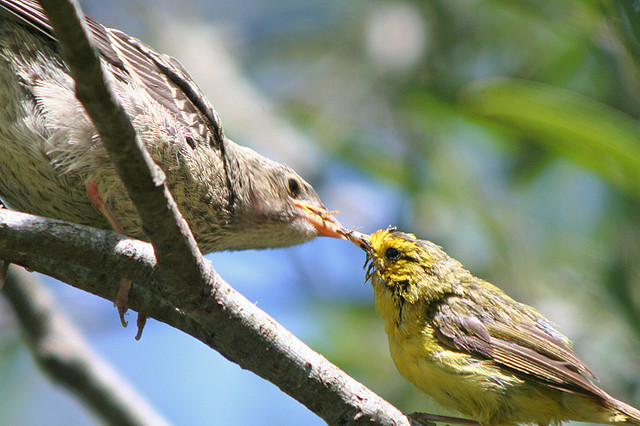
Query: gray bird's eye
{"points": [[294, 188]]}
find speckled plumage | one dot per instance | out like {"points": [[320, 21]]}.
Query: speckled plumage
{"points": [[473, 348], [232, 197]]}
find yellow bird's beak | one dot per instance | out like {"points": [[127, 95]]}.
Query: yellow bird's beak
{"points": [[359, 239]]}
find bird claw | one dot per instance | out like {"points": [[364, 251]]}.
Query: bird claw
{"points": [[142, 320], [122, 299], [121, 302], [121, 312]]}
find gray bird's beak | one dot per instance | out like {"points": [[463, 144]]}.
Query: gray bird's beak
{"points": [[322, 220]]}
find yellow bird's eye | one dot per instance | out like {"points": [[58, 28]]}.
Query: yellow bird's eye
{"points": [[392, 254]]}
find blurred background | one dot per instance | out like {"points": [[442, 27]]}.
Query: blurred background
{"points": [[505, 131]]}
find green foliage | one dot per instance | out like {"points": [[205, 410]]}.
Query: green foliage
{"points": [[591, 134]]}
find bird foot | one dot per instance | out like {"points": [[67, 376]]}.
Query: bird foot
{"points": [[142, 320], [122, 298]]}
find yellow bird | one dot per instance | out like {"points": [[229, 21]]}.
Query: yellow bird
{"points": [[473, 348]]}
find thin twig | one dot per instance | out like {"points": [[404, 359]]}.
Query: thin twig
{"points": [[64, 355]]}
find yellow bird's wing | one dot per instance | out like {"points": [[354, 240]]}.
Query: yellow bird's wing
{"points": [[524, 348]]}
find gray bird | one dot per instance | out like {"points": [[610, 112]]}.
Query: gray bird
{"points": [[50, 151]]}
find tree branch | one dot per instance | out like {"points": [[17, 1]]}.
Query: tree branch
{"points": [[223, 320], [104, 286], [64, 355], [59, 240], [230, 323]]}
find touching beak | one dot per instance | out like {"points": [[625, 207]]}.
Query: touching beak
{"points": [[322, 220], [360, 239]]}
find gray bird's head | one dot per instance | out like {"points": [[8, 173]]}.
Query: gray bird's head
{"points": [[272, 205]]}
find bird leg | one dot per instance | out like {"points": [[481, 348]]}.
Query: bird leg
{"points": [[98, 203], [122, 297]]}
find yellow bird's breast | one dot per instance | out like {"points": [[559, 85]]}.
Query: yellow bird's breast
{"points": [[478, 388], [453, 379]]}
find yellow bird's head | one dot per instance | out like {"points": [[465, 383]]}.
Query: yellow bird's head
{"points": [[409, 268]]}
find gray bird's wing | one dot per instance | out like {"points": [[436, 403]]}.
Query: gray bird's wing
{"points": [[127, 58]]}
